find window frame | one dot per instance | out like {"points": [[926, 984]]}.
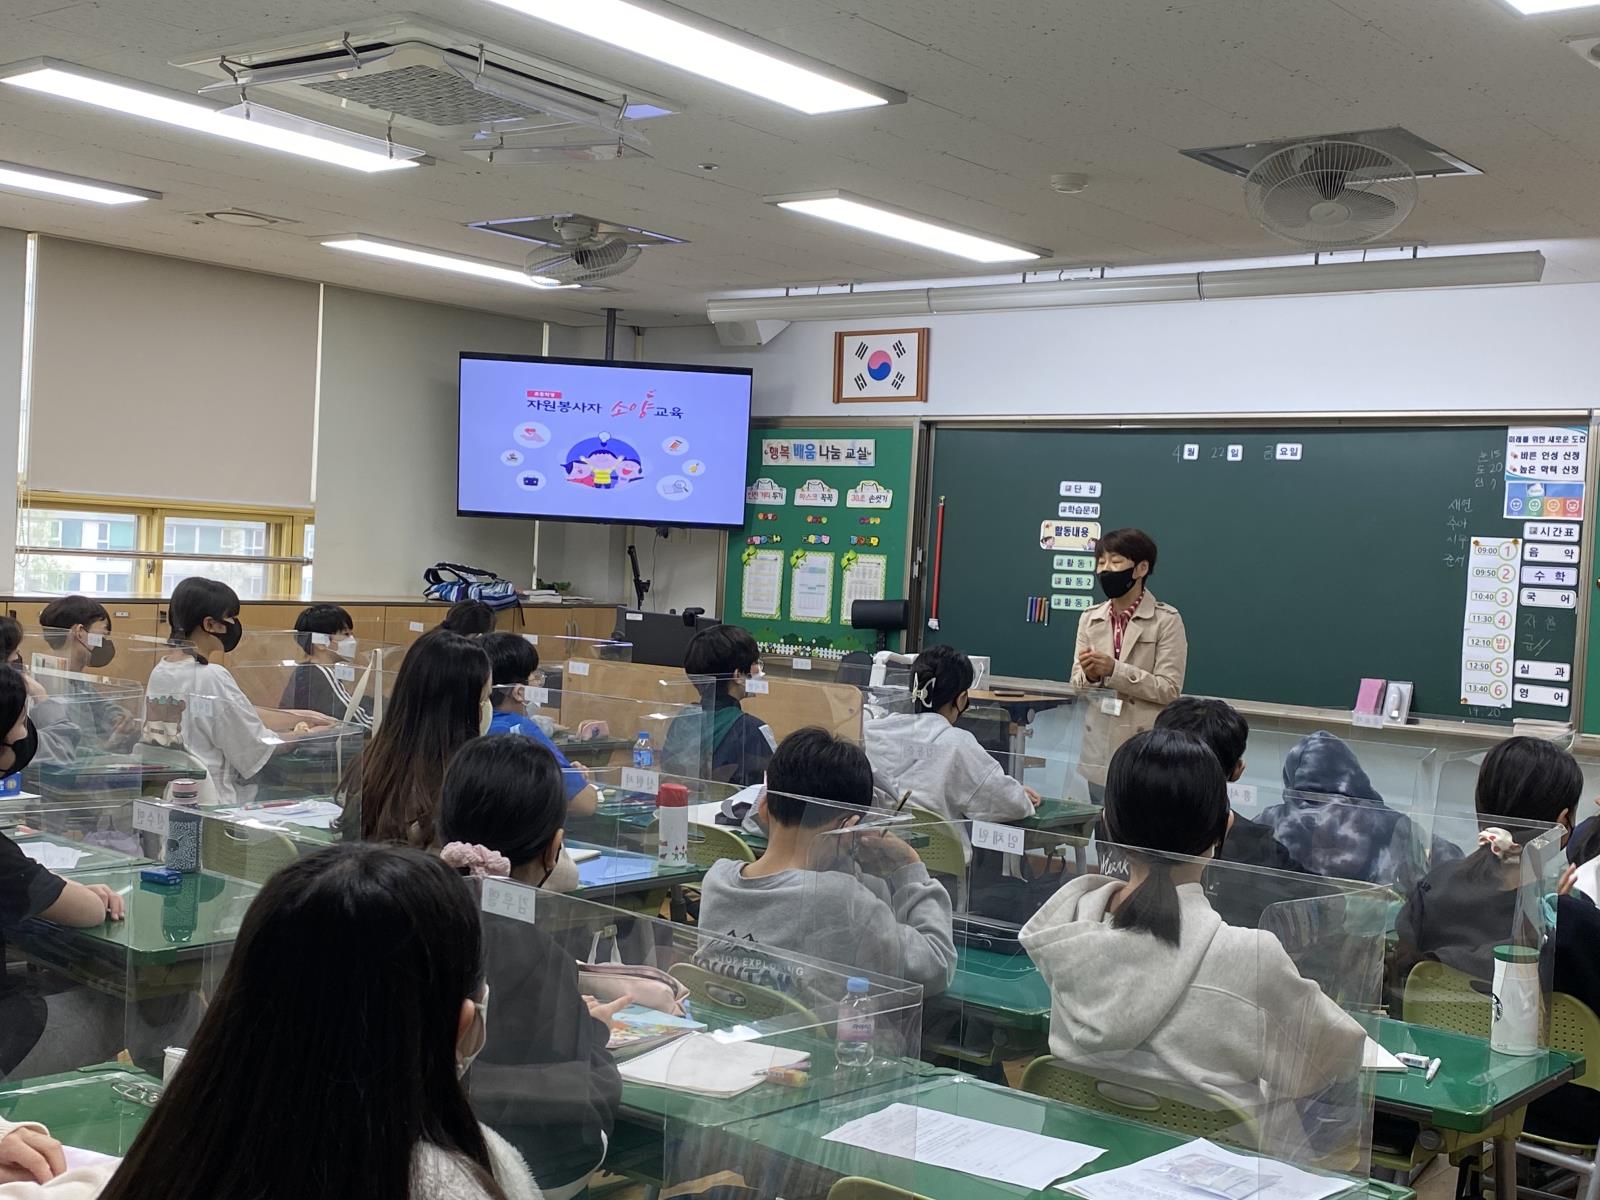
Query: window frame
{"points": [[285, 537]]}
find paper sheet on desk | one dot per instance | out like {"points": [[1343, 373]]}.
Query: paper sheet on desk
{"points": [[53, 857], [704, 1066], [940, 1139], [312, 814], [1375, 1058], [1200, 1170]]}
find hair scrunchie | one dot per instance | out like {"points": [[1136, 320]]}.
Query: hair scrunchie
{"points": [[1501, 844], [476, 862]]}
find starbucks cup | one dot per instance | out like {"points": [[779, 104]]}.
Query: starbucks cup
{"points": [[1518, 1001]]}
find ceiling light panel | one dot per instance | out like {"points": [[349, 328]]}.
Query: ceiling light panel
{"points": [[1534, 8], [719, 53], [869, 216], [15, 176], [420, 256], [251, 124]]}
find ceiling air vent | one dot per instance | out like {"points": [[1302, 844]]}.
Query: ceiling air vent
{"points": [[440, 83], [1426, 160]]}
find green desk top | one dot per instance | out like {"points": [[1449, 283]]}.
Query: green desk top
{"points": [[1475, 1086], [1062, 815], [1008, 986], [94, 857], [624, 872], [144, 762], [163, 924], [79, 1107], [797, 1135]]}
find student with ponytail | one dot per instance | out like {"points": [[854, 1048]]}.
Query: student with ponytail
{"points": [[940, 764], [1149, 984]]}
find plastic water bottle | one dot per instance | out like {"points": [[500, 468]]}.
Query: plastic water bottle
{"points": [[644, 754], [181, 849], [857, 1026]]}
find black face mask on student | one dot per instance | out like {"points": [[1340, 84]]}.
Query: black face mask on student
{"points": [[231, 635], [100, 656], [23, 750], [1116, 584]]}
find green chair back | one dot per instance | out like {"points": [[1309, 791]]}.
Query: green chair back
{"points": [[734, 998], [254, 855], [943, 854], [709, 844], [1056, 1080], [1445, 998]]}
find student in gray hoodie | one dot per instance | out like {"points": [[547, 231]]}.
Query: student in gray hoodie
{"points": [[942, 765], [1150, 987], [860, 900]]}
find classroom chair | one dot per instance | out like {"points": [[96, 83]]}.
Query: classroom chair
{"points": [[942, 853], [710, 843], [1573, 1027], [254, 855], [744, 1002], [1050, 1077]]}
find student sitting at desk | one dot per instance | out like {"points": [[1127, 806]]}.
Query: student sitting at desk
{"points": [[1334, 822], [469, 618], [1148, 984], [806, 895], [57, 735], [79, 630], [545, 1079], [1464, 909], [195, 703], [326, 636], [515, 665], [942, 765], [329, 1060], [28, 890], [721, 661], [440, 703]]}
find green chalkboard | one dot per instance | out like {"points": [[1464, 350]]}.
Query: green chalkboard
{"points": [[1302, 559], [783, 460]]}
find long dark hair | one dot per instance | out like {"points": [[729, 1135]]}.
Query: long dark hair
{"points": [[433, 712], [946, 672], [505, 793], [329, 1050], [1528, 779], [1165, 793], [13, 699]]}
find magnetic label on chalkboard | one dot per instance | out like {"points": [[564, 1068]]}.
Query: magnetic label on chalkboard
{"points": [[1550, 552], [1069, 535], [766, 491], [1191, 452], [1549, 576], [1556, 672], [1532, 500], [1067, 603], [1549, 598], [1550, 697], [1552, 531], [1071, 487], [1235, 452], [1290, 451], [1549, 452], [813, 493], [869, 493], [1077, 508], [1072, 583], [1074, 562]]}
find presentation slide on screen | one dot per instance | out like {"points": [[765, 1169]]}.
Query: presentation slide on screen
{"points": [[634, 444]]}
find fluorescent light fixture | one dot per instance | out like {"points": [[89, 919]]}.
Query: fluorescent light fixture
{"points": [[716, 52], [251, 124], [1534, 8], [872, 217], [421, 257], [70, 187]]}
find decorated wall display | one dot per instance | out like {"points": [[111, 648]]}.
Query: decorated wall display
{"points": [[827, 523], [875, 365]]}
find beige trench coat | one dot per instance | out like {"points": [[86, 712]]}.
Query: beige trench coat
{"points": [[1148, 677]]}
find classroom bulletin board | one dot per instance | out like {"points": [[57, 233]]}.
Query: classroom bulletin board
{"points": [[828, 512]]}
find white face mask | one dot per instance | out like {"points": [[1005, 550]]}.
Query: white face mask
{"points": [[477, 1035], [485, 717], [345, 648]]}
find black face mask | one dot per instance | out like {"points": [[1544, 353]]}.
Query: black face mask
{"points": [[1116, 584], [101, 655], [24, 750], [230, 637]]}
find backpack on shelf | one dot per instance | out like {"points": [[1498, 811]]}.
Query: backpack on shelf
{"points": [[453, 583]]}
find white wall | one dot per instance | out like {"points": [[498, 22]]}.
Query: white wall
{"points": [[13, 274], [386, 473]]}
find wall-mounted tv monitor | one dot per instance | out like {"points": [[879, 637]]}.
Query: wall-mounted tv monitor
{"points": [[573, 439]]}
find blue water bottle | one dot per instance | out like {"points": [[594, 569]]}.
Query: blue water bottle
{"points": [[644, 754]]}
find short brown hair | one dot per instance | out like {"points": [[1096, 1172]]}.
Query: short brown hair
{"points": [[1135, 545]]}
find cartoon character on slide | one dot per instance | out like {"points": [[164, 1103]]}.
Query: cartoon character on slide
{"points": [[603, 462]]}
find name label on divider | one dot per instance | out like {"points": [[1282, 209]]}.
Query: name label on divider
{"points": [[344, 672], [417, 627], [507, 899], [801, 664], [637, 779], [1008, 839], [756, 687], [1242, 795], [578, 666], [150, 818], [635, 616]]}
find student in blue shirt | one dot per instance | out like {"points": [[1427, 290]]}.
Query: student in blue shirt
{"points": [[515, 664]]}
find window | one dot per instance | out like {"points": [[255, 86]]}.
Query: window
{"points": [[309, 552], [73, 544]]}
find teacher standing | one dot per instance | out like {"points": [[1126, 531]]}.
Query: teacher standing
{"points": [[1133, 646]]}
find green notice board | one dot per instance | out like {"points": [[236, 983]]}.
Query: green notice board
{"points": [[1302, 559], [827, 520]]}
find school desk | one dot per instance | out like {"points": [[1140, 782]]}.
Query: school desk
{"points": [[158, 949], [81, 1108], [996, 1008], [144, 770], [94, 858], [1475, 1090], [805, 1166]]}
